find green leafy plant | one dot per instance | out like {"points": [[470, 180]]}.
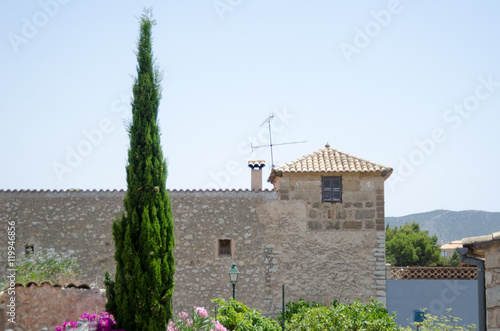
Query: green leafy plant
{"points": [[443, 322], [47, 265], [292, 308], [236, 316], [355, 316]]}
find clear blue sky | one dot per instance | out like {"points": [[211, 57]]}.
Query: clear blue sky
{"points": [[412, 85]]}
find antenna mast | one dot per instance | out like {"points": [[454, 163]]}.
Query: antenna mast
{"points": [[268, 121]]}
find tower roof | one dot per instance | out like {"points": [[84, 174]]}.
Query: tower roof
{"points": [[328, 160]]}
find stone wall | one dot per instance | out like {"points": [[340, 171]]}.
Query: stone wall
{"points": [[362, 206], [70, 220], [48, 306], [201, 219], [361, 213], [492, 280], [274, 241]]}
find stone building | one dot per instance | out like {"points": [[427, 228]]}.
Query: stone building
{"points": [[320, 232], [486, 249]]}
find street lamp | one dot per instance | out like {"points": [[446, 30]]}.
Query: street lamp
{"points": [[233, 276]]}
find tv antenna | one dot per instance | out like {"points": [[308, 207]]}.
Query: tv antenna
{"points": [[268, 121]]}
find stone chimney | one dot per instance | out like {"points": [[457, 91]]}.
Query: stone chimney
{"points": [[256, 166]]}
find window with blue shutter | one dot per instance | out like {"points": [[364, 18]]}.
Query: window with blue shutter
{"points": [[331, 188]]}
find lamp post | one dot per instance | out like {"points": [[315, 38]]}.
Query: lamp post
{"points": [[233, 276]]}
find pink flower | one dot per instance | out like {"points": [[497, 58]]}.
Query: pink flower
{"points": [[201, 311], [85, 316], [59, 328], [218, 326], [172, 328], [183, 315]]}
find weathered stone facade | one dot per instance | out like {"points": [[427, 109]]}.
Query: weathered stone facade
{"points": [[487, 248], [492, 282], [358, 219], [76, 220], [273, 244], [362, 206], [493, 295], [320, 251]]}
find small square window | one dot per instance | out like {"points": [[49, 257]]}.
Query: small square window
{"points": [[331, 188], [225, 247]]}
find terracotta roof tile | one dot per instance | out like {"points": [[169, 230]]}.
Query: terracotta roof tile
{"points": [[331, 160]]}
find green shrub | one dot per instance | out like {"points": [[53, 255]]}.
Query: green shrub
{"points": [[311, 319], [236, 316], [47, 265], [292, 308], [356, 316]]}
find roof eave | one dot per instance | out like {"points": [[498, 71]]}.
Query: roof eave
{"points": [[279, 173]]}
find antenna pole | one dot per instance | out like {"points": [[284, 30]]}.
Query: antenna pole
{"points": [[268, 120], [271, 143]]}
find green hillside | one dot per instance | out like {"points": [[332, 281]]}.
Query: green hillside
{"points": [[452, 225]]}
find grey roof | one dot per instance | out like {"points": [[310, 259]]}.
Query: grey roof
{"points": [[482, 241]]}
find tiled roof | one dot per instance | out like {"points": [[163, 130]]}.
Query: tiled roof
{"points": [[330, 160]]}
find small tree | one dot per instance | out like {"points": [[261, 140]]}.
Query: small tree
{"points": [[410, 246], [144, 236], [453, 260]]}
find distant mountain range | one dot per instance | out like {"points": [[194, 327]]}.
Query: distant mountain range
{"points": [[452, 225]]}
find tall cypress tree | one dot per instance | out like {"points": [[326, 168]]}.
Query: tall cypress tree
{"points": [[144, 235]]}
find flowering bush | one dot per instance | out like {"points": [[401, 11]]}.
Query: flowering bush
{"points": [[104, 321], [199, 322], [47, 265]]}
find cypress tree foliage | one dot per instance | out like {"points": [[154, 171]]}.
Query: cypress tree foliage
{"points": [[144, 236]]}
